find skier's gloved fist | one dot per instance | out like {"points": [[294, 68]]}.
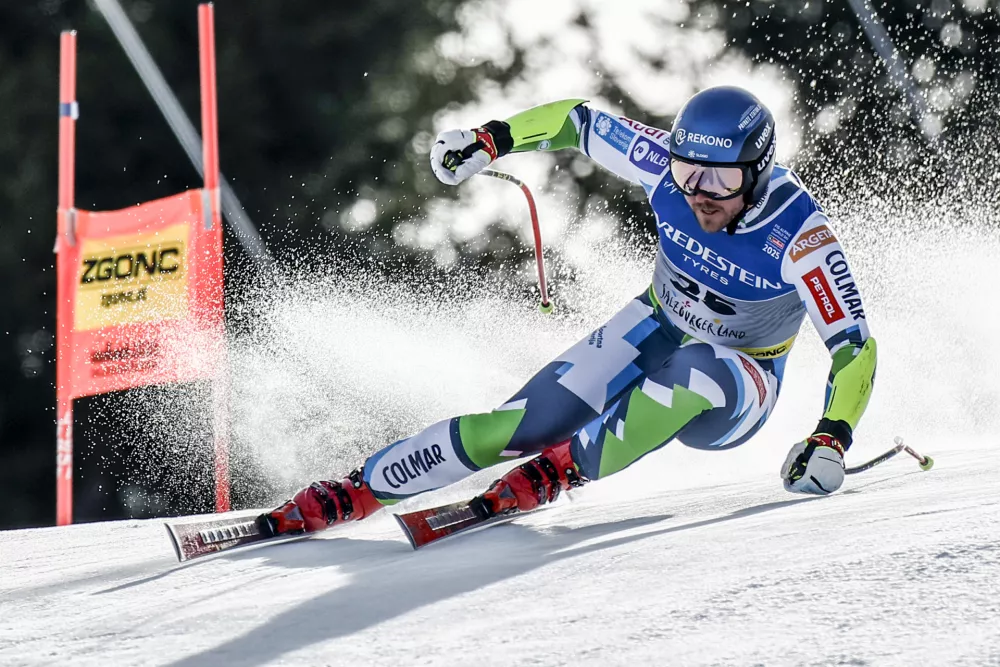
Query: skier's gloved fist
{"points": [[459, 154], [815, 465]]}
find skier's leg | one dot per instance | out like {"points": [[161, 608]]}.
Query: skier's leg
{"points": [[569, 392], [705, 395]]}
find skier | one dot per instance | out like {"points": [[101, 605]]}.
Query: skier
{"points": [[698, 357]]}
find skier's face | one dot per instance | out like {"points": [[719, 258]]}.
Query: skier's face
{"points": [[713, 214]]}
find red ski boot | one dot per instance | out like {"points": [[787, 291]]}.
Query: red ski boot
{"points": [[322, 504], [534, 483]]}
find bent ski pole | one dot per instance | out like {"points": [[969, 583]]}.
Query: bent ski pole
{"points": [[545, 306], [925, 462]]}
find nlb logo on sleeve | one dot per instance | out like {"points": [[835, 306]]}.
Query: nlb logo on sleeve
{"points": [[649, 157]]}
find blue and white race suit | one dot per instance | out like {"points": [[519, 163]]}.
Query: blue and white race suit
{"points": [[698, 357]]}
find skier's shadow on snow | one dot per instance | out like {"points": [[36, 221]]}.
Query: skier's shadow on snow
{"points": [[389, 579]]}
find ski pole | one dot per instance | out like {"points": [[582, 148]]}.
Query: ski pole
{"points": [[545, 306], [925, 462]]}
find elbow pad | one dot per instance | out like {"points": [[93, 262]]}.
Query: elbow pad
{"points": [[546, 123]]}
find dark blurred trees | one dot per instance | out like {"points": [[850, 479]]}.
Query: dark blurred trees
{"points": [[318, 102], [326, 111], [856, 121]]}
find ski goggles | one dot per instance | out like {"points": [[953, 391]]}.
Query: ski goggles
{"points": [[716, 182]]}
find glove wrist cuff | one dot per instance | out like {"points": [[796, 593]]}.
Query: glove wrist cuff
{"points": [[836, 428], [502, 139]]}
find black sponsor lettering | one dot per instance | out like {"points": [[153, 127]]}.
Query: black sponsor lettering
{"points": [[597, 338], [108, 354], [416, 462], [149, 265], [844, 282], [105, 268], [398, 473], [131, 296], [139, 264], [410, 474], [699, 323], [413, 465], [172, 266], [89, 271], [122, 259]]}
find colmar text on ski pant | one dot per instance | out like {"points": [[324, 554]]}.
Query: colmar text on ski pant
{"points": [[622, 392]]}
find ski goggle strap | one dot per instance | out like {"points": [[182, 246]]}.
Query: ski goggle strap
{"points": [[715, 182]]}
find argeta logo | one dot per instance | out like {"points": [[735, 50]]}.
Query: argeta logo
{"points": [[641, 148], [680, 135], [810, 240]]}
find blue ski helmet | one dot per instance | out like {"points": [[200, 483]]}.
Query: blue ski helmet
{"points": [[727, 126]]}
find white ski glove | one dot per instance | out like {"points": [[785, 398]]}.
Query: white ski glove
{"points": [[459, 154], [815, 465]]}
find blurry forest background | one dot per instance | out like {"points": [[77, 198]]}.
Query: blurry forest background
{"points": [[327, 111]]}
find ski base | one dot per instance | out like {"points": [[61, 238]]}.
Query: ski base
{"points": [[433, 525], [202, 538]]}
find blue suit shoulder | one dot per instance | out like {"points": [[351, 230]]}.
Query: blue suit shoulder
{"points": [[787, 201]]}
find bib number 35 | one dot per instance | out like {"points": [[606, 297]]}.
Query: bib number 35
{"points": [[692, 290]]}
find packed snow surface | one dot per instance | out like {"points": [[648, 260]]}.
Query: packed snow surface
{"points": [[686, 558], [900, 568]]}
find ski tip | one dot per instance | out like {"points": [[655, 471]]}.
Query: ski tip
{"points": [[927, 464], [406, 531], [175, 542]]}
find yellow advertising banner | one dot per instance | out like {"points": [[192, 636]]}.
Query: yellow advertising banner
{"points": [[132, 279]]}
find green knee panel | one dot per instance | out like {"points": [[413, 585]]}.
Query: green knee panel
{"points": [[485, 435], [648, 426]]}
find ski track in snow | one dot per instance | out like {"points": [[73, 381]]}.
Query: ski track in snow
{"points": [[901, 567], [688, 558]]}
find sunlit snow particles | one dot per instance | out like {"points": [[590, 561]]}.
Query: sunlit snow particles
{"points": [[330, 368]]}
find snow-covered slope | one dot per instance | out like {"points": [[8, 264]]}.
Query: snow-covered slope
{"points": [[902, 567], [687, 558]]}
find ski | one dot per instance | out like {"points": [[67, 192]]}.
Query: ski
{"points": [[425, 527], [202, 538]]}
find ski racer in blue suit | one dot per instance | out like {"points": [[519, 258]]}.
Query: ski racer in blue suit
{"points": [[745, 253]]}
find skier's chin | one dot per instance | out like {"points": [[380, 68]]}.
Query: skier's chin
{"points": [[712, 220]]}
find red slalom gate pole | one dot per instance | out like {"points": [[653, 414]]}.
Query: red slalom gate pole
{"points": [[65, 235], [211, 206], [545, 306]]}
